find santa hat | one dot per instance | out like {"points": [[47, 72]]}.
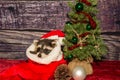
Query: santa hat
{"points": [[54, 34], [55, 55]]}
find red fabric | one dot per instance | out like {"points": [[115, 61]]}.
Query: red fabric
{"points": [[105, 70], [53, 33], [31, 71]]}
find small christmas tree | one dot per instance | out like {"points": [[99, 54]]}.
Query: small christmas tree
{"points": [[82, 32]]}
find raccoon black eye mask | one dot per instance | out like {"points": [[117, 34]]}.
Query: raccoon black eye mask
{"points": [[46, 49], [44, 46]]}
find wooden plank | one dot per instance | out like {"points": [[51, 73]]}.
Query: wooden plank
{"points": [[32, 14], [13, 44], [15, 47], [51, 14], [112, 41], [109, 15], [20, 37], [13, 55]]}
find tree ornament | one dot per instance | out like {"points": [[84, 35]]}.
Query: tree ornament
{"points": [[91, 21], [86, 2], [93, 24], [79, 7], [86, 64], [77, 45], [74, 40], [88, 27], [84, 34], [68, 23], [79, 73], [69, 57]]}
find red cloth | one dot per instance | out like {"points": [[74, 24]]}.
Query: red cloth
{"points": [[31, 71], [105, 70]]}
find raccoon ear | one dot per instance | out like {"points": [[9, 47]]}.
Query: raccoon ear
{"points": [[35, 42], [53, 44]]}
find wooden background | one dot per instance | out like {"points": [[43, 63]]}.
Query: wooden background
{"points": [[23, 21]]}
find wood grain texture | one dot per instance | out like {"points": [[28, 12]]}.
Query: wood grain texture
{"points": [[112, 41], [109, 15], [51, 14], [36, 15], [13, 44]]}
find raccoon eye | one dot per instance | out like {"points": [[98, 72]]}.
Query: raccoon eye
{"points": [[38, 49], [53, 44], [47, 51]]}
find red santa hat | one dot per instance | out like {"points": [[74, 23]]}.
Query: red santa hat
{"points": [[55, 54], [55, 34]]}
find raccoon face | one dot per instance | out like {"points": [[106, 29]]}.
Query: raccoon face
{"points": [[44, 47]]}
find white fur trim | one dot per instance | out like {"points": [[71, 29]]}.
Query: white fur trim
{"points": [[53, 37], [54, 55], [56, 37], [59, 57], [61, 40]]}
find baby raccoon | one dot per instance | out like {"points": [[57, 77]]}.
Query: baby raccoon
{"points": [[43, 47]]}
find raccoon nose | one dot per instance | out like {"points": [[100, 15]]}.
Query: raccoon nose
{"points": [[39, 55]]}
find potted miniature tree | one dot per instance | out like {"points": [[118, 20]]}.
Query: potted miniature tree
{"points": [[83, 41]]}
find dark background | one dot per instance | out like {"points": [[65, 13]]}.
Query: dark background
{"points": [[25, 20]]}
